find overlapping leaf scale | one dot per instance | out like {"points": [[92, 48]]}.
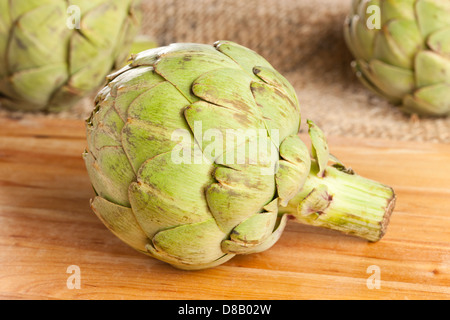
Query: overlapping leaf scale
{"points": [[107, 164], [154, 116], [93, 49], [280, 114], [319, 148], [106, 150], [397, 43], [357, 36], [293, 169], [273, 78], [432, 15], [111, 174], [257, 233], [160, 198], [241, 189], [242, 56], [122, 222], [168, 194], [432, 66], [168, 211], [397, 9], [257, 67], [191, 246], [243, 185], [182, 67]]}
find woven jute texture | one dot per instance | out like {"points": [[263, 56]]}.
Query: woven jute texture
{"points": [[303, 39]]}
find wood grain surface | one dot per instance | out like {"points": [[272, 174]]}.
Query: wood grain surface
{"points": [[46, 225]]}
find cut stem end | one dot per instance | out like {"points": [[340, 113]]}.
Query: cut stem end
{"points": [[345, 202]]}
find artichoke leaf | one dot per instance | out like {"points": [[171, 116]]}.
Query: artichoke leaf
{"points": [[397, 43], [391, 81], [233, 247], [151, 56], [277, 81], [432, 100], [104, 102], [99, 24], [110, 173], [243, 57], [143, 77], [108, 130], [293, 169], [227, 87], [182, 69], [28, 49], [91, 74], [439, 42], [319, 147], [316, 202], [104, 125], [431, 69], [219, 130], [398, 9], [142, 141], [92, 47], [359, 38], [162, 197], [128, 91], [122, 223], [339, 165], [280, 113], [257, 228], [162, 105], [432, 15], [36, 85], [237, 195], [189, 244]]}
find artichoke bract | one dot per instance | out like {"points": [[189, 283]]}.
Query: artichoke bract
{"points": [[194, 155], [55, 52], [402, 51]]}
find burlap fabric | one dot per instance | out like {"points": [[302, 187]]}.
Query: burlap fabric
{"points": [[303, 40]]}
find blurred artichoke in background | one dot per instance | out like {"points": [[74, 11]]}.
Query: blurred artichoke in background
{"points": [[194, 156], [402, 51], [54, 52]]}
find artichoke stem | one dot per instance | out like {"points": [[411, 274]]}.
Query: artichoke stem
{"points": [[343, 201]]}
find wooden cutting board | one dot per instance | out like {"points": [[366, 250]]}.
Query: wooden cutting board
{"points": [[46, 226]]}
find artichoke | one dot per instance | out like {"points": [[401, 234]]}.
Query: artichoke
{"points": [[54, 52], [194, 156], [402, 52]]}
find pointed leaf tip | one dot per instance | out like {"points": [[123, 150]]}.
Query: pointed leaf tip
{"points": [[319, 147]]}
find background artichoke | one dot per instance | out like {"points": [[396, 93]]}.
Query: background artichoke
{"points": [[407, 59], [49, 58], [173, 190]]}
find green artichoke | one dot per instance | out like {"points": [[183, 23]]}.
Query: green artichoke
{"points": [[402, 51], [194, 156], [54, 52]]}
